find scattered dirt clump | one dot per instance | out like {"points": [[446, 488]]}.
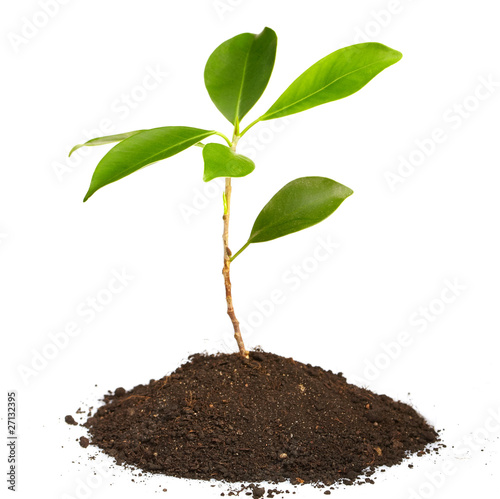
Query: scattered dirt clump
{"points": [[84, 442], [70, 420]]}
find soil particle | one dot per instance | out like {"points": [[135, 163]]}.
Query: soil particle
{"points": [[259, 491], [268, 418], [70, 420], [84, 442], [120, 392]]}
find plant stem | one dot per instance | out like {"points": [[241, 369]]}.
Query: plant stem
{"points": [[240, 250], [248, 127], [229, 143], [227, 263]]}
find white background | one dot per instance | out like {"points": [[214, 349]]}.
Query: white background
{"points": [[398, 248]]}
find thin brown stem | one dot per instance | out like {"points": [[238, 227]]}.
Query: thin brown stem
{"points": [[226, 271]]}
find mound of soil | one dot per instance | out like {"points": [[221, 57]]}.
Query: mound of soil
{"points": [[268, 418]]}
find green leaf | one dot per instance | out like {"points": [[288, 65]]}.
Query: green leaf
{"points": [[334, 77], [238, 71], [302, 203], [108, 139], [221, 161], [141, 150]]}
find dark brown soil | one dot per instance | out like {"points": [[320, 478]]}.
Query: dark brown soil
{"points": [[84, 442], [269, 418], [70, 420]]}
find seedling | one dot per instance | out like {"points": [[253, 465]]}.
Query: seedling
{"points": [[236, 75]]}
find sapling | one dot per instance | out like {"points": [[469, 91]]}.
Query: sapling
{"points": [[236, 75]]}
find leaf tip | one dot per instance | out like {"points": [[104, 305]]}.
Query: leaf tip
{"points": [[73, 150], [395, 54], [269, 30]]}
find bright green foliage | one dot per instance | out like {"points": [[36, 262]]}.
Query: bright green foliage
{"points": [[302, 203], [236, 75], [334, 77], [108, 139], [238, 72], [221, 161], [143, 149]]}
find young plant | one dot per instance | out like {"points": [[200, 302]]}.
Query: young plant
{"points": [[236, 75]]}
